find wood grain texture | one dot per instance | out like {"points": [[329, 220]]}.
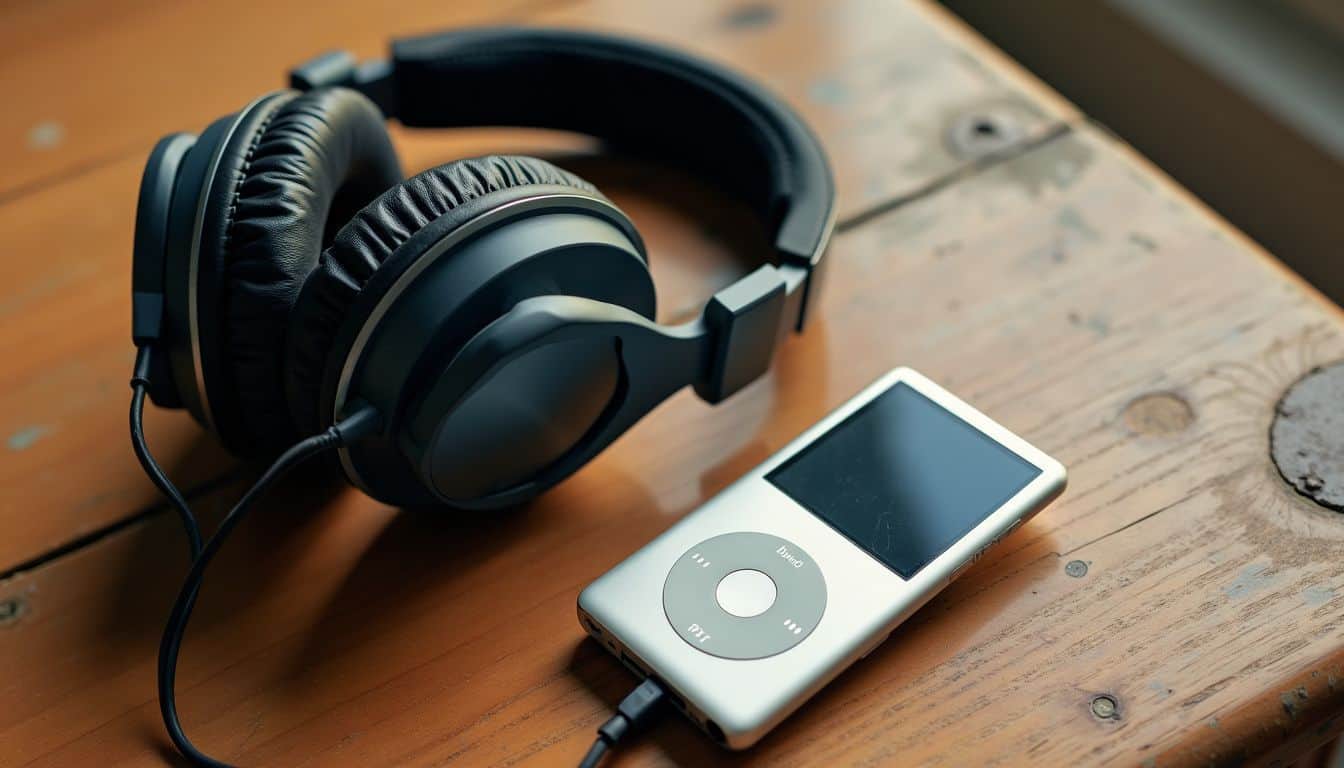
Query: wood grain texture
{"points": [[1066, 288], [877, 82], [92, 82]]}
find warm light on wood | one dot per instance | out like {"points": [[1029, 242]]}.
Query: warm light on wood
{"points": [[1179, 603]]}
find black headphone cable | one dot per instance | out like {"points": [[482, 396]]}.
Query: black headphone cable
{"points": [[139, 385], [633, 713], [361, 423]]}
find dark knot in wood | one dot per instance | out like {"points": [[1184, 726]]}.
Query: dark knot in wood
{"points": [[1158, 413]]}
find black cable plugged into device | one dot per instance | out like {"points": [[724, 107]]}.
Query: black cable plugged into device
{"points": [[634, 712], [363, 422]]}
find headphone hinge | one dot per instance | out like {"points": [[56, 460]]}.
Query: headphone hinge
{"points": [[745, 321], [374, 79]]}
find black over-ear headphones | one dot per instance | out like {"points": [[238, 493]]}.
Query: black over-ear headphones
{"points": [[472, 335], [497, 312]]}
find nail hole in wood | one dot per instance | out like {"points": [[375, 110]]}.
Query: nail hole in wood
{"points": [[977, 134], [1105, 707], [11, 610]]}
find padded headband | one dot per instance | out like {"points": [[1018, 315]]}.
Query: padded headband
{"points": [[643, 98]]}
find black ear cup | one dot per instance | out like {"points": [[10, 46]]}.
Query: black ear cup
{"points": [[370, 238], [149, 255], [304, 165]]}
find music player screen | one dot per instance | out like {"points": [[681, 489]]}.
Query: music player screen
{"points": [[903, 478]]}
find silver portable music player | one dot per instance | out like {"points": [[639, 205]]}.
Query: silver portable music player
{"points": [[753, 602]]}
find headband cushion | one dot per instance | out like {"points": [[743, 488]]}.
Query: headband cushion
{"points": [[370, 238], [321, 156], [641, 97]]}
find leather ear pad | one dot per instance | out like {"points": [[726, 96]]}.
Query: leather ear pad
{"points": [[320, 157], [369, 239]]}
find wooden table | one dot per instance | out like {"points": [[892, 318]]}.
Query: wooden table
{"points": [[1037, 267]]}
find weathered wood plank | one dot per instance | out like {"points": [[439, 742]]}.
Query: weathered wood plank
{"points": [[879, 82], [342, 633], [1070, 291], [92, 82]]}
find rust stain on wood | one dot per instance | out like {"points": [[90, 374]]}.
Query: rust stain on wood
{"points": [[1307, 436]]}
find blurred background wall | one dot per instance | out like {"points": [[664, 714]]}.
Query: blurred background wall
{"points": [[1242, 101]]}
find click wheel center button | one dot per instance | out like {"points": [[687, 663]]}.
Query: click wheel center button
{"points": [[745, 593]]}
